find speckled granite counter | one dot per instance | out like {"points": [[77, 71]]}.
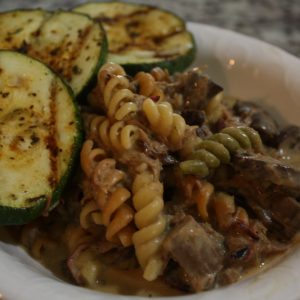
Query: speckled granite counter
{"points": [[274, 21]]}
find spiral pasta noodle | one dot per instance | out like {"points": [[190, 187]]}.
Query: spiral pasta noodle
{"points": [[107, 71], [151, 224], [75, 237], [114, 135], [107, 205], [164, 122], [218, 148], [147, 85], [160, 74], [119, 100], [121, 136], [224, 207], [89, 157], [202, 197], [227, 212], [89, 214], [116, 215]]}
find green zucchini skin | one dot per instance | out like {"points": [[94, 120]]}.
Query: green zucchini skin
{"points": [[172, 65], [172, 61], [22, 214], [74, 158], [72, 44], [81, 97]]}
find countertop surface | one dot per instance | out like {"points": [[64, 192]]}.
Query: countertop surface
{"points": [[274, 21]]}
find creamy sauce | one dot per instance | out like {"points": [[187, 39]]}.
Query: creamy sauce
{"points": [[97, 275], [272, 261], [125, 282], [290, 157]]}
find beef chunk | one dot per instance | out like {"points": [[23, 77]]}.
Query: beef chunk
{"points": [[175, 276], [198, 250], [265, 169], [270, 188], [193, 116], [289, 138], [196, 89]]}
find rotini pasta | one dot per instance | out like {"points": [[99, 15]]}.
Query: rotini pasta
{"points": [[164, 122], [217, 107], [227, 212], [119, 100], [108, 197], [89, 157], [224, 207], [117, 216], [89, 214], [107, 71], [75, 237], [202, 197], [218, 148], [160, 75], [118, 136], [151, 224], [147, 85]]}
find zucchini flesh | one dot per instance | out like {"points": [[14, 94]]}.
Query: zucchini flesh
{"points": [[141, 37], [72, 44], [17, 27], [39, 137]]}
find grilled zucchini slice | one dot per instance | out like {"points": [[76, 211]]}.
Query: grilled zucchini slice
{"points": [[40, 134], [72, 44], [141, 37], [17, 27]]}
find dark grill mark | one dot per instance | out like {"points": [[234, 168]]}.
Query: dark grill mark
{"points": [[54, 51], [148, 43], [50, 141], [8, 39], [24, 47], [118, 18], [160, 39], [55, 56], [130, 28], [76, 70], [78, 45], [34, 139], [4, 94]]}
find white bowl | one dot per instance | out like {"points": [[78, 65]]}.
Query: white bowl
{"points": [[247, 68]]}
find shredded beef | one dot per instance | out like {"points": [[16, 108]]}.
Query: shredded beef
{"points": [[134, 159]]}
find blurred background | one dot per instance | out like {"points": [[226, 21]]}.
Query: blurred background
{"points": [[274, 21]]}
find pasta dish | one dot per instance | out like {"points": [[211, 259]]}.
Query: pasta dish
{"points": [[171, 170], [124, 172]]}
